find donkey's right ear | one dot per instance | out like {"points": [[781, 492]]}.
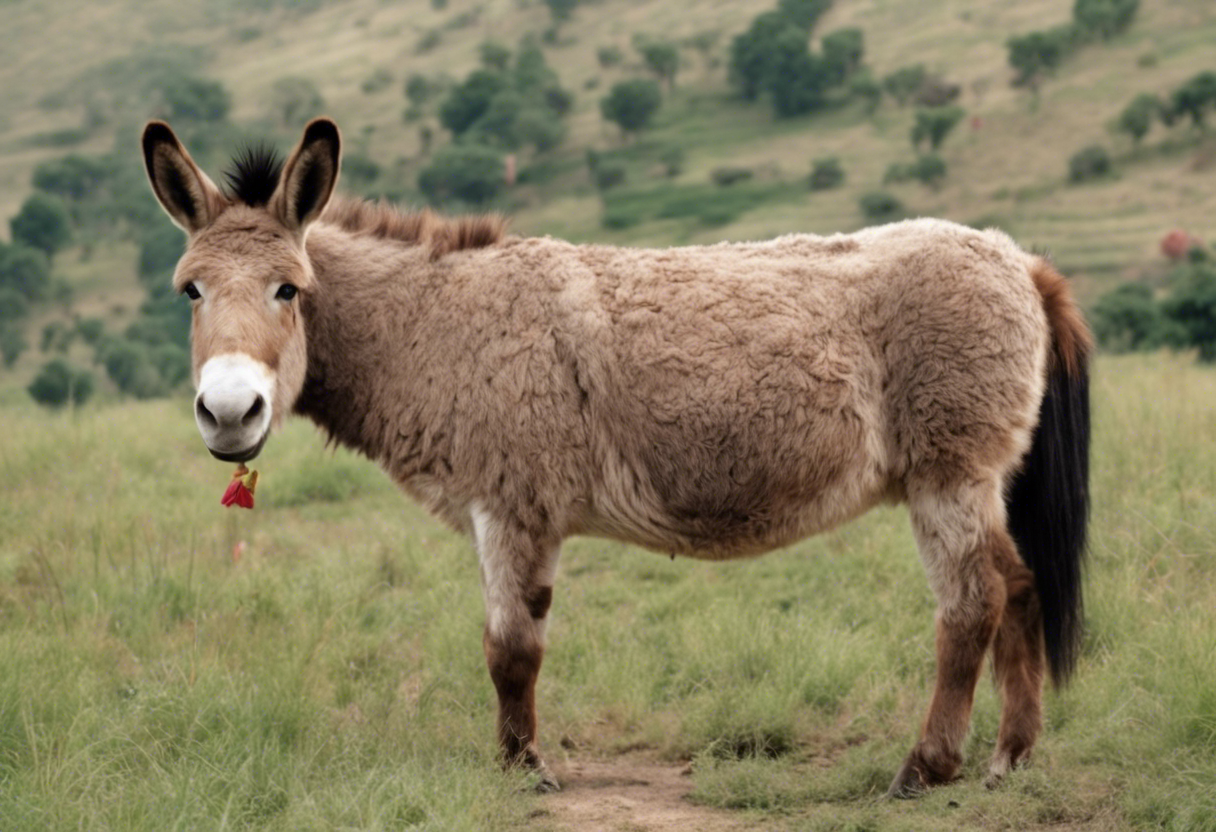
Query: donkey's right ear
{"points": [[191, 199]]}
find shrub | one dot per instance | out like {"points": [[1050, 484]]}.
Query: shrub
{"points": [[903, 83], [609, 56], [1089, 163], [880, 205], [196, 99], [933, 124], [57, 383], [1128, 318], [160, 247], [726, 176], [130, 367], [1191, 308], [468, 102], [561, 9], [42, 224], [1194, 99], [1138, 116], [494, 55], [469, 173], [842, 51], [609, 175], [826, 174], [12, 344], [24, 269], [865, 89], [663, 59], [1104, 18], [929, 169], [13, 306], [631, 105], [672, 159], [1037, 54]]}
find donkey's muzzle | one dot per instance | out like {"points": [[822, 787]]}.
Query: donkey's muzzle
{"points": [[232, 408]]}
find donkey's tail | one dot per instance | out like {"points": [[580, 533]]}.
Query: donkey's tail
{"points": [[1048, 500]]}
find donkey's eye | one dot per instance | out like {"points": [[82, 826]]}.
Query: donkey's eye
{"points": [[286, 292], [191, 291]]}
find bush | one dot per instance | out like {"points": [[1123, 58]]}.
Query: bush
{"points": [[1037, 54], [12, 344], [1194, 99], [726, 176], [609, 175], [25, 270], [1089, 163], [13, 306], [631, 105], [468, 102], [130, 367], [1138, 116], [42, 224], [160, 247], [843, 50], [934, 124], [672, 159], [880, 205], [663, 59], [72, 177], [903, 83], [1191, 308], [826, 174], [469, 173], [1128, 318], [1104, 18], [609, 56], [195, 99], [57, 383]]}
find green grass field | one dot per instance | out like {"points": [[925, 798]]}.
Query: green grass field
{"points": [[166, 664]]}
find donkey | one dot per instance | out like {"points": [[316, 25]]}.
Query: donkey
{"points": [[715, 402]]}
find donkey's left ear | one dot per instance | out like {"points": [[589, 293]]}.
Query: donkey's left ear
{"points": [[309, 176]]}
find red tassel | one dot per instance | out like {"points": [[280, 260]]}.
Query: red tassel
{"points": [[240, 490]]}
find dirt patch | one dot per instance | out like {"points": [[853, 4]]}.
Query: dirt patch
{"points": [[631, 794]]}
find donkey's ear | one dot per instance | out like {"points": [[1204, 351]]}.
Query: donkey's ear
{"points": [[184, 191], [309, 176]]}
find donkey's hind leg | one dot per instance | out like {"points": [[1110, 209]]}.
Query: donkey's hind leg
{"points": [[959, 530], [1017, 658], [517, 573]]}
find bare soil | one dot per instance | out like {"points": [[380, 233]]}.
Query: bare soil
{"points": [[631, 794]]}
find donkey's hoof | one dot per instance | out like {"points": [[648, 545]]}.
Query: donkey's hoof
{"points": [[546, 783], [909, 783]]}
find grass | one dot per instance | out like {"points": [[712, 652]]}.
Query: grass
{"points": [[316, 663]]}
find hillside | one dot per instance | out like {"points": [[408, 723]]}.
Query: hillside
{"points": [[75, 76]]}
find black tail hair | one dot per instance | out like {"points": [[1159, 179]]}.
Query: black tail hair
{"points": [[1048, 510]]}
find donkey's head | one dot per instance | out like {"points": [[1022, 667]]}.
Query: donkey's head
{"points": [[244, 271]]}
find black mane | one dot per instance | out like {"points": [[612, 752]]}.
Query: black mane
{"points": [[254, 174]]}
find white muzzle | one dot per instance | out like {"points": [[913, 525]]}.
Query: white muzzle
{"points": [[233, 406]]}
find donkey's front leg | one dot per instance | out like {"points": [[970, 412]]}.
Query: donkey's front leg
{"points": [[517, 572]]}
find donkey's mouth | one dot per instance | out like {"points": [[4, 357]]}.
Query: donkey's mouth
{"points": [[240, 456]]}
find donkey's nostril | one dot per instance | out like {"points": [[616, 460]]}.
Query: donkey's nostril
{"points": [[253, 411], [204, 415]]}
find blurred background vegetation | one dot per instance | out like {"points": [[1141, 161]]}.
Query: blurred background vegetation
{"points": [[1080, 128]]}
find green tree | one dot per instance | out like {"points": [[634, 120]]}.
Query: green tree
{"points": [[160, 247], [904, 83], [58, 383], [1191, 307], [72, 177], [934, 124], [1104, 18], [561, 9], [842, 52], [826, 174], [663, 59], [1194, 98], [1088, 163], [418, 89], [1128, 318], [495, 56], [12, 344], [798, 81], [13, 307], [1138, 116], [130, 367], [1035, 55], [751, 54], [469, 173], [468, 102], [880, 205], [865, 89], [631, 105], [25, 269], [42, 224], [803, 13]]}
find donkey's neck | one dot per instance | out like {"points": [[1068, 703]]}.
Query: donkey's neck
{"points": [[361, 321]]}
